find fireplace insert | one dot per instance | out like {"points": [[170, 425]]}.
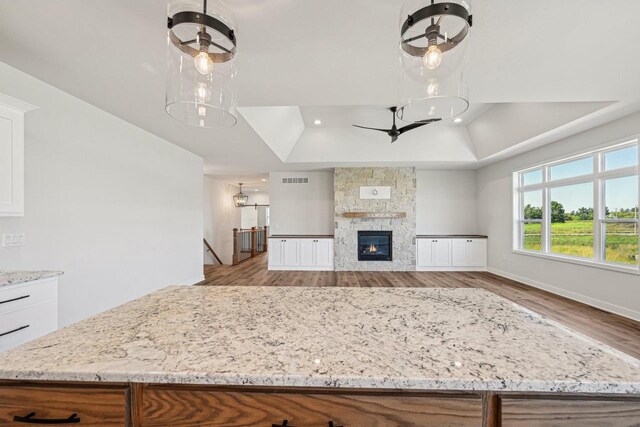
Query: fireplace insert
{"points": [[375, 246]]}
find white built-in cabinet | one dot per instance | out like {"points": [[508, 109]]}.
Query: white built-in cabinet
{"points": [[27, 311], [451, 254], [300, 254], [11, 161]]}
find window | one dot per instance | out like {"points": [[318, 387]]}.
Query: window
{"points": [[583, 208]]}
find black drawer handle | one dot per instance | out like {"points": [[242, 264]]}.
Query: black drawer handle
{"points": [[285, 423], [14, 299], [14, 330], [29, 419]]}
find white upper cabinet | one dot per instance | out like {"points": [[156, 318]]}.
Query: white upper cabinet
{"points": [[12, 156]]}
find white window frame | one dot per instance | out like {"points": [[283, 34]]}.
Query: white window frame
{"points": [[598, 178]]}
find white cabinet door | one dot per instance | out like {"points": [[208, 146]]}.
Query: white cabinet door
{"points": [[477, 252], [425, 254], [11, 162], [459, 252], [290, 253], [441, 252], [275, 252], [323, 252], [307, 258]]}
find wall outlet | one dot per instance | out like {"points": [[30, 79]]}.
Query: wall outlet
{"points": [[13, 239]]}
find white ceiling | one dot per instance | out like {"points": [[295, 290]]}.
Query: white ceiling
{"points": [[338, 60]]}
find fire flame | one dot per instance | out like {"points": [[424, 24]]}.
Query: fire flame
{"points": [[373, 248]]}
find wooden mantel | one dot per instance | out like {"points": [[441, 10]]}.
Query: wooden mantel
{"points": [[374, 214]]}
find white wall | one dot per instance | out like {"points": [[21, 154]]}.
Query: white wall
{"points": [[220, 218], [446, 202], [118, 209], [614, 291], [301, 208]]}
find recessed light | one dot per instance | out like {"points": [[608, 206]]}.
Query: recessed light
{"points": [[263, 180], [317, 122], [457, 120], [255, 189]]}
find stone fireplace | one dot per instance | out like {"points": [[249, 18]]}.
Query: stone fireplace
{"points": [[375, 245], [393, 213]]}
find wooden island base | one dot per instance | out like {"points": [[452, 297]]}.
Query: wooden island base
{"points": [[134, 404]]}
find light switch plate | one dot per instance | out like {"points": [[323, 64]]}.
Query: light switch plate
{"points": [[13, 239]]}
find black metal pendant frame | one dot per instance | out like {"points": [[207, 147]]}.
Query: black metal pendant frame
{"points": [[205, 21], [439, 9]]}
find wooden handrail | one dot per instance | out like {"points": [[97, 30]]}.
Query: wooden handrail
{"points": [[210, 249]]}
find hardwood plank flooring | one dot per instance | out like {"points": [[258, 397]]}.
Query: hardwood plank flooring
{"points": [[617, 331]]}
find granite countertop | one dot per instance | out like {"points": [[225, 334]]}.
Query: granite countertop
{"points": [[451, 236], [301, 236], [8, 277], [389, 338]]}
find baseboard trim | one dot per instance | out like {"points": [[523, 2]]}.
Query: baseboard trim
{"points": [[192, 281], [603, 305], [299, 268], [462, 269]]}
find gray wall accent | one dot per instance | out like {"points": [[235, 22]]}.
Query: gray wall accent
{"points": [[347, 183]]}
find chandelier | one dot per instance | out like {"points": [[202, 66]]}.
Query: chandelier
{"points": [[433, 39], [240, 199], [201, 66]]}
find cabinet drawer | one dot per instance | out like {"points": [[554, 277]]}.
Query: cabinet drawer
{"points": [[25, 324], [15, 297], [163, 407], [570, 413], [94, 406]]}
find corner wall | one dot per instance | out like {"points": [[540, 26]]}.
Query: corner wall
{"points": [[610, 290], [118, 209], [220, 218]]}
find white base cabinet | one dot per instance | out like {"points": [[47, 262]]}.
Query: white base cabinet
{"points": [[300, 254], [451, 254], [27, 311]]}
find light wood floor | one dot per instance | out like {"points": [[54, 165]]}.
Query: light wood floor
{"points": [[616, 331]]}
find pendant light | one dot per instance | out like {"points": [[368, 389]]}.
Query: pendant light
{"points": [[434, 35], [240, 199], [201, 65]]}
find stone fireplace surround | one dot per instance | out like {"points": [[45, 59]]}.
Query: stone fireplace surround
{"points": [[347, 183]]}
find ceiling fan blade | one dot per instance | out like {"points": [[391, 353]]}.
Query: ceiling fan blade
{"points": [[412, 126], [364, 127]]}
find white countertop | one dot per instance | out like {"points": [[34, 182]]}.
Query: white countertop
{"points": [[391, 338], [10, 277]]}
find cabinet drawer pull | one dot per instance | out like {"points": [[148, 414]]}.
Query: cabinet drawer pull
{"points": [[29, 419], [14, 299], [14, 330], [285, 423]]}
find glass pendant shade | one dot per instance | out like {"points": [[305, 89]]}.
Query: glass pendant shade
{"points": [[433, 40], [240, 199], [201, 64]]}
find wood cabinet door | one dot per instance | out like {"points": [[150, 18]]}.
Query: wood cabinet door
{"points": [[324, 252], [424, 254], [290, 252], [307, 256], [477, 252], [275, 252], [84, 406], [460, 252], [441, 252], [172, 408]]}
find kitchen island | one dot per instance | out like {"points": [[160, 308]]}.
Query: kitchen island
{"points": [[245, 356]]}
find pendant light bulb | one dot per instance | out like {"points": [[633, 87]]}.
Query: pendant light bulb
{"points": [[203, 63], [432, 58]]}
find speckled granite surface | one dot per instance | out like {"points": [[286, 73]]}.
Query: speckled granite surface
{"points": [[8, 277], [435, 339]]}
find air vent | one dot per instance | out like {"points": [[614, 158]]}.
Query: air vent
{"points": [[295, 180]]}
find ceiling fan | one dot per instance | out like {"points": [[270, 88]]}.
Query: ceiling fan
{"points": [[395, 132]]}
